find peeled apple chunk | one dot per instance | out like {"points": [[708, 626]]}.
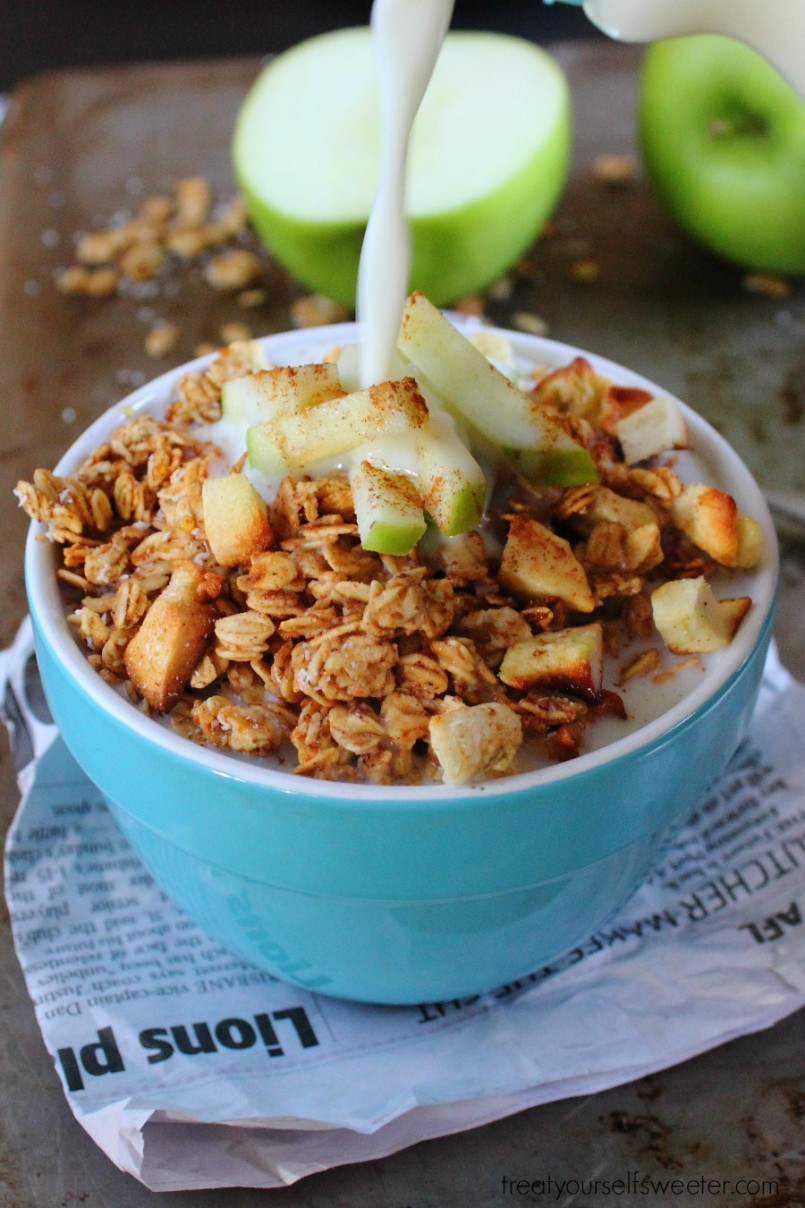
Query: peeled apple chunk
{"points": [[488, 159], [565, 660], [690, 618], [235, 519], [474, 741]]}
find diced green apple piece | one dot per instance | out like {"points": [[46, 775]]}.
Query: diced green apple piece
{"points": [[452, 483], [489, 401], [236, 399], [341, 425], [388, 510], [270, 392], [554, 467], [263, 453]]}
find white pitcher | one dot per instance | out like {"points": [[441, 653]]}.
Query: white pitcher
{"points": [[775, 28]]}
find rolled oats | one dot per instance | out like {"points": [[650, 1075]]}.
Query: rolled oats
{"points": [[249, 728], [372, 667], [136, 250], [161, 339], [233, 269], [357, 728], [243, 636]]}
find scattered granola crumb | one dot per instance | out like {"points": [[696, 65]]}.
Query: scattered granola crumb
{"points": [[231, 332], [768, 284], [642, 664], [161, 339], [250, 298], [315, 310], [93, 283], [193, 201], [501, 290], [533, 324], [233, 269], [664, 677], [585, 270], [473, 304], [614, 170]]}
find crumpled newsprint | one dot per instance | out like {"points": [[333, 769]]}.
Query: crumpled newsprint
{"points": [[191, 1069]]}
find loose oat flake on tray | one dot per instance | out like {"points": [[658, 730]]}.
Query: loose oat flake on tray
{"points": [[259, 623]]}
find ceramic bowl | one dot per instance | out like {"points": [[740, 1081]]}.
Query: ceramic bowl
{"points": [[405, 894]]}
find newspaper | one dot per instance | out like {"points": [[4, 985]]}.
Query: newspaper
{"points": [[191, 1069]]}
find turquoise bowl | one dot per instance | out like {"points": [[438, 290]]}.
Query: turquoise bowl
{"points": [[404, 894]]}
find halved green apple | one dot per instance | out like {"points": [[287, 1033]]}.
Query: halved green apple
{"points": [[488, 161], [723, 142]]}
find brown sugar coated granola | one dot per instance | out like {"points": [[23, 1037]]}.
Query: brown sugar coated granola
{"points": [[439, 664]]}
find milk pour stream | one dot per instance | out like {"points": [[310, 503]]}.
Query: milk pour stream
{"points": [[408, 35]]}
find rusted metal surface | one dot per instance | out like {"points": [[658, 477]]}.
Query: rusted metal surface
{"points": [[78, 147]]}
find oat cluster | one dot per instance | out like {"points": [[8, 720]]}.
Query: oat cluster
{"points": [[181, 225], [370, 667]]}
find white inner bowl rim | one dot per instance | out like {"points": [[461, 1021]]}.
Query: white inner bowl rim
{"points": [[298, 347]]}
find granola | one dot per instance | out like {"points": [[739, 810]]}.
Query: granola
{"points": [[181, 224], [357, 665]]}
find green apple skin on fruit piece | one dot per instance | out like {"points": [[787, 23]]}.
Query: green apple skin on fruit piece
{"points": [[489, 401], [341, 425], [263, 453], [452, 484], [489, 159], [388, 510], [284, 389], [553, 467], [723, 142]]}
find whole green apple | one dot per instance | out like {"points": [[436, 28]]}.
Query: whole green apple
{"points": [[723, 142], [488, 159]]}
